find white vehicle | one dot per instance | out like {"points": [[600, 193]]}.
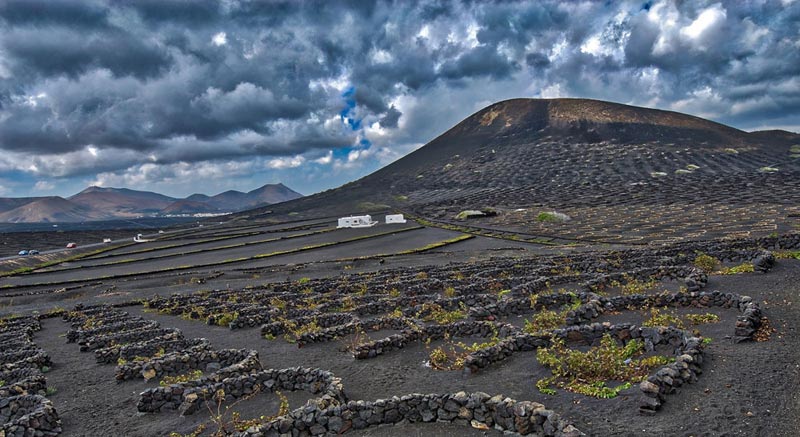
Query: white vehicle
{"points": [[138, 239], [356, 221], [395, 218], [106, 240]]}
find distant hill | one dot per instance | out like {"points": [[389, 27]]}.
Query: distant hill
{"points": [[102, 203], [48, 209], [121, 202], [188, 207], [233, 200], [9, 203]]}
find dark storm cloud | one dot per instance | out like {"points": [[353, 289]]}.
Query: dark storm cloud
{"points": [[86, 14], [190, 81], [61, 51], [178, 11], [480, 61]]}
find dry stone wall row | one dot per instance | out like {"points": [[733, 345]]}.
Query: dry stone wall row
{"points": [[476, 409], [75, 335], [22, 381], [201, 357], [473, 328], [29, 415], [188, 397], [24, 411], [259, 311]]}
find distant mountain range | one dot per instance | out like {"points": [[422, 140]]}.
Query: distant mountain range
{"points": [[99, 203]]}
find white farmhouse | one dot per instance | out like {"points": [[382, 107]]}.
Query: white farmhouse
{"points": [[356, 221], [395, 218]]}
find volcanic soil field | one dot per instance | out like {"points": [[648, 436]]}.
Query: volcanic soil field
{"points": [[668, 312]]}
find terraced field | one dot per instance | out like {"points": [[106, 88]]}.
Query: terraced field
{"points": [[345, 343]]}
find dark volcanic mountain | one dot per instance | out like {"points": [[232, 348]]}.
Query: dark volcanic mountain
{"points": [[621, 173], [99, 203]]}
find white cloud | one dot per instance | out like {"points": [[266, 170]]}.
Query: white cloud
{"points": [[325, 160], [219, 39], [288, 162], [703, 28], [43, 186], [381, 57]]}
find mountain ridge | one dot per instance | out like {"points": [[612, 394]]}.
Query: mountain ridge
{"points": [[108, 203]]}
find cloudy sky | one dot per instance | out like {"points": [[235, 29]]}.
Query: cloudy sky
{"points": [[204, 96]]}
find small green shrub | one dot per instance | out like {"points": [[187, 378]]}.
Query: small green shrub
{"points": [[552, 217], [701, 319], [741, 268], [588, 372], [706, 263], [186, 377], [431, 312], [658, 318], [544, 320]]}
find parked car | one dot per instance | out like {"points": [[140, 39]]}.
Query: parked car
{"points": [[72, 245], [106, 240], [23, 252], [33, 252]]}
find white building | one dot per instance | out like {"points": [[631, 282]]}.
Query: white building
{"points": [[395, 218], [356, 221]]}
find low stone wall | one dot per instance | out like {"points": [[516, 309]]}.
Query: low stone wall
{"points": [[29, 415], [18, 323], [458, 329], [15, 335], [33, 382], [319, 382], [136, 335], [167, 343], [747, 322], [323, 321], [476, 409], [328, 334], [201, 357], [113, 353], [668, 378], [27, 358], [693, 278], [125, 325], [106, 318], [241, 380]]}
